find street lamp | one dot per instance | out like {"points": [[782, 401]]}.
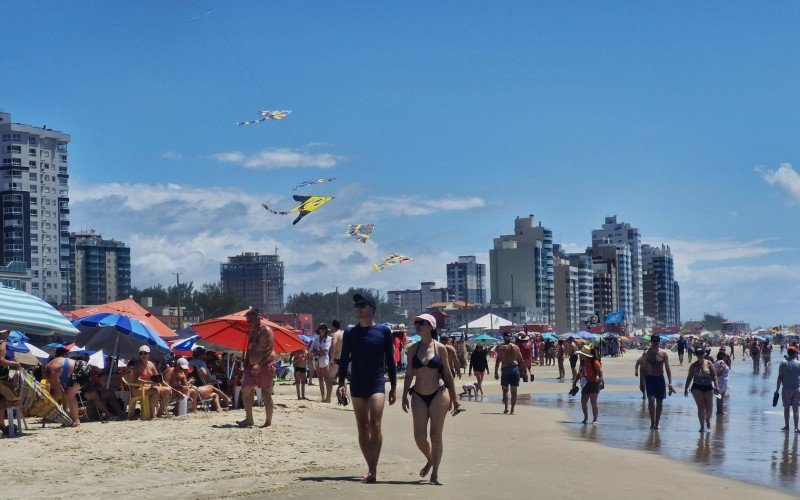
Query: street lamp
{"points": [[337, 300]]}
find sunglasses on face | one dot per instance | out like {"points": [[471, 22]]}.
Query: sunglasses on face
{"points": [[144, 354], [420, 322], [360, 305]]}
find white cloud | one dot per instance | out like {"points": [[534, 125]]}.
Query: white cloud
{"points": [[171, 155], [786, 178], [177, 228], [275, 158], [417, 205]]}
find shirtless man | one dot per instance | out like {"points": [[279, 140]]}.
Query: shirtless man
{"points": [[509, 356], [259, 369], [336, 351], [656, 362], [571, 351], [452, 356]]}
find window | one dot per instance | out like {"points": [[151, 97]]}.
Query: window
{"points": [[16, 162], [31, 141], [34, 227], [45, 153], [12, 137], [6, 137], [31, 151], [34, 189], [16, 174], [62, 157], [12, 198], [32, 176], [34, 212], [32, 163], [13, 149], [35, 263]]}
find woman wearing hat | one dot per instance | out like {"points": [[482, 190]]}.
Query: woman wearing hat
{"points": [[590, 375], [428, 362]]}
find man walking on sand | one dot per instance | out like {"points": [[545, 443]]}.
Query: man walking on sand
{"points": [[370, 348], [259, 368], [510, 358], [656, 362], [789, 376]]}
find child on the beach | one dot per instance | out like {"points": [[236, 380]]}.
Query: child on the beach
{"points": [[470, 389]]}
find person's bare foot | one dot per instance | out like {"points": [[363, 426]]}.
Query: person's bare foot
{"points": [[245, 423], [505, 411], [371, 477], [435, 480], [266, 424], [594, 422], [425, 470]]}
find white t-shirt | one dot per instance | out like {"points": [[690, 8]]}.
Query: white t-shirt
{"points": [[321, 345]]}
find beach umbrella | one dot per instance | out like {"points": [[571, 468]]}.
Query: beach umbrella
{"points": [[26, 313], [130, 308], [483, 338], [413, 339], [232, 331], [307, 338], [117, 334], [549, 336], [185, 346]]}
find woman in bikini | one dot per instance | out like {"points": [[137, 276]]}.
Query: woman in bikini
{"points": [[299, 361], [432, 399], [146, 374], [703, 379]]}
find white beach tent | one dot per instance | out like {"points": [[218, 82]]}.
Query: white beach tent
{"points": [[488, 322]]}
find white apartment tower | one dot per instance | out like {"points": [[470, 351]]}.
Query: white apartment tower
{"points": [[622, 234], [34, 205]]}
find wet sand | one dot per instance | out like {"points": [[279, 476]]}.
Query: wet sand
{"points": [[312, 452]]}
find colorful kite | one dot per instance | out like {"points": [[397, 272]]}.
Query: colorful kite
{"points": [[316, 181], [360, 232], [267, 115], [307, 205], [390, 261]]}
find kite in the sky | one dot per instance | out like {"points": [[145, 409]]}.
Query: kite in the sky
{"points": [[360, 232], [315, 181], [267, 115], [201, 16], [307, 205], [391, 260]]}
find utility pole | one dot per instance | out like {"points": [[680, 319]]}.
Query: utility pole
{"points": [[178, 291], [512, 291], [337, 300]]}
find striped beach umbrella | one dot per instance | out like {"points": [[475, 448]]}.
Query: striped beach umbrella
{"points": [[23, 312]]}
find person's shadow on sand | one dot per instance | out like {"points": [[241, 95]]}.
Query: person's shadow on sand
{"points": [[226, 426], [354, 479]]}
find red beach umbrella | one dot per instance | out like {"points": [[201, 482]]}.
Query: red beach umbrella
{"points": [[232, 331]]}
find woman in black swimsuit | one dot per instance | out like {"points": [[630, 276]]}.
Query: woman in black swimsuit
{"points": [[703, 379], [432, 399]]}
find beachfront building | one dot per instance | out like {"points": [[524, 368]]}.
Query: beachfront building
{"points": [[257, 279], [583, 262], [677, 304], [34, 205], [659, 285], [16, 275], [623, 235], [410, 303], [521, 268], [567, 291], [466, 280], [612, 279], [100, 269]]}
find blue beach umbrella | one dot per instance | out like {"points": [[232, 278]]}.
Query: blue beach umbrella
{"points": [[117, 334], [26, 313]]}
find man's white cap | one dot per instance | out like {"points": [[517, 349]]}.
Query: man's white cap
{"points": [[183, 364], [426, 317], [144, 348]]}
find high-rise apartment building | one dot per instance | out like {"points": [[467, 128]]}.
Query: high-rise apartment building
{"points": [[567, 292], [583, 262], [412, 302], [622, 234], [256, 279], [521, 267], [466, 280], [659, 285], [100, 270], [34, 205], [612, 266]]}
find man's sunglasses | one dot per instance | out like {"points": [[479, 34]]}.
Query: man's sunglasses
{"points": [[360, 305]]}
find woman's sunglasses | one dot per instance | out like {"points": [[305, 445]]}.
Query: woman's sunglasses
{"points": [[360, 305], [420, 322]]}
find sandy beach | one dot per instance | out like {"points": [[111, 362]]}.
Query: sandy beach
{"points": [[312, 452]]}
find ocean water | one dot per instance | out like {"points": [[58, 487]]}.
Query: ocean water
{"points": [[746, 444]]}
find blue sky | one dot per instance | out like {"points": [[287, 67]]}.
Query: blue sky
{"points": [[443, 122]]}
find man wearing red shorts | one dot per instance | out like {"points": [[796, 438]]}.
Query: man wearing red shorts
{"points": [[259, 368]]}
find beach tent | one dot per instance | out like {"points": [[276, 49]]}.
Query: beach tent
{"points": [[132, 309], [487, 322]]}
